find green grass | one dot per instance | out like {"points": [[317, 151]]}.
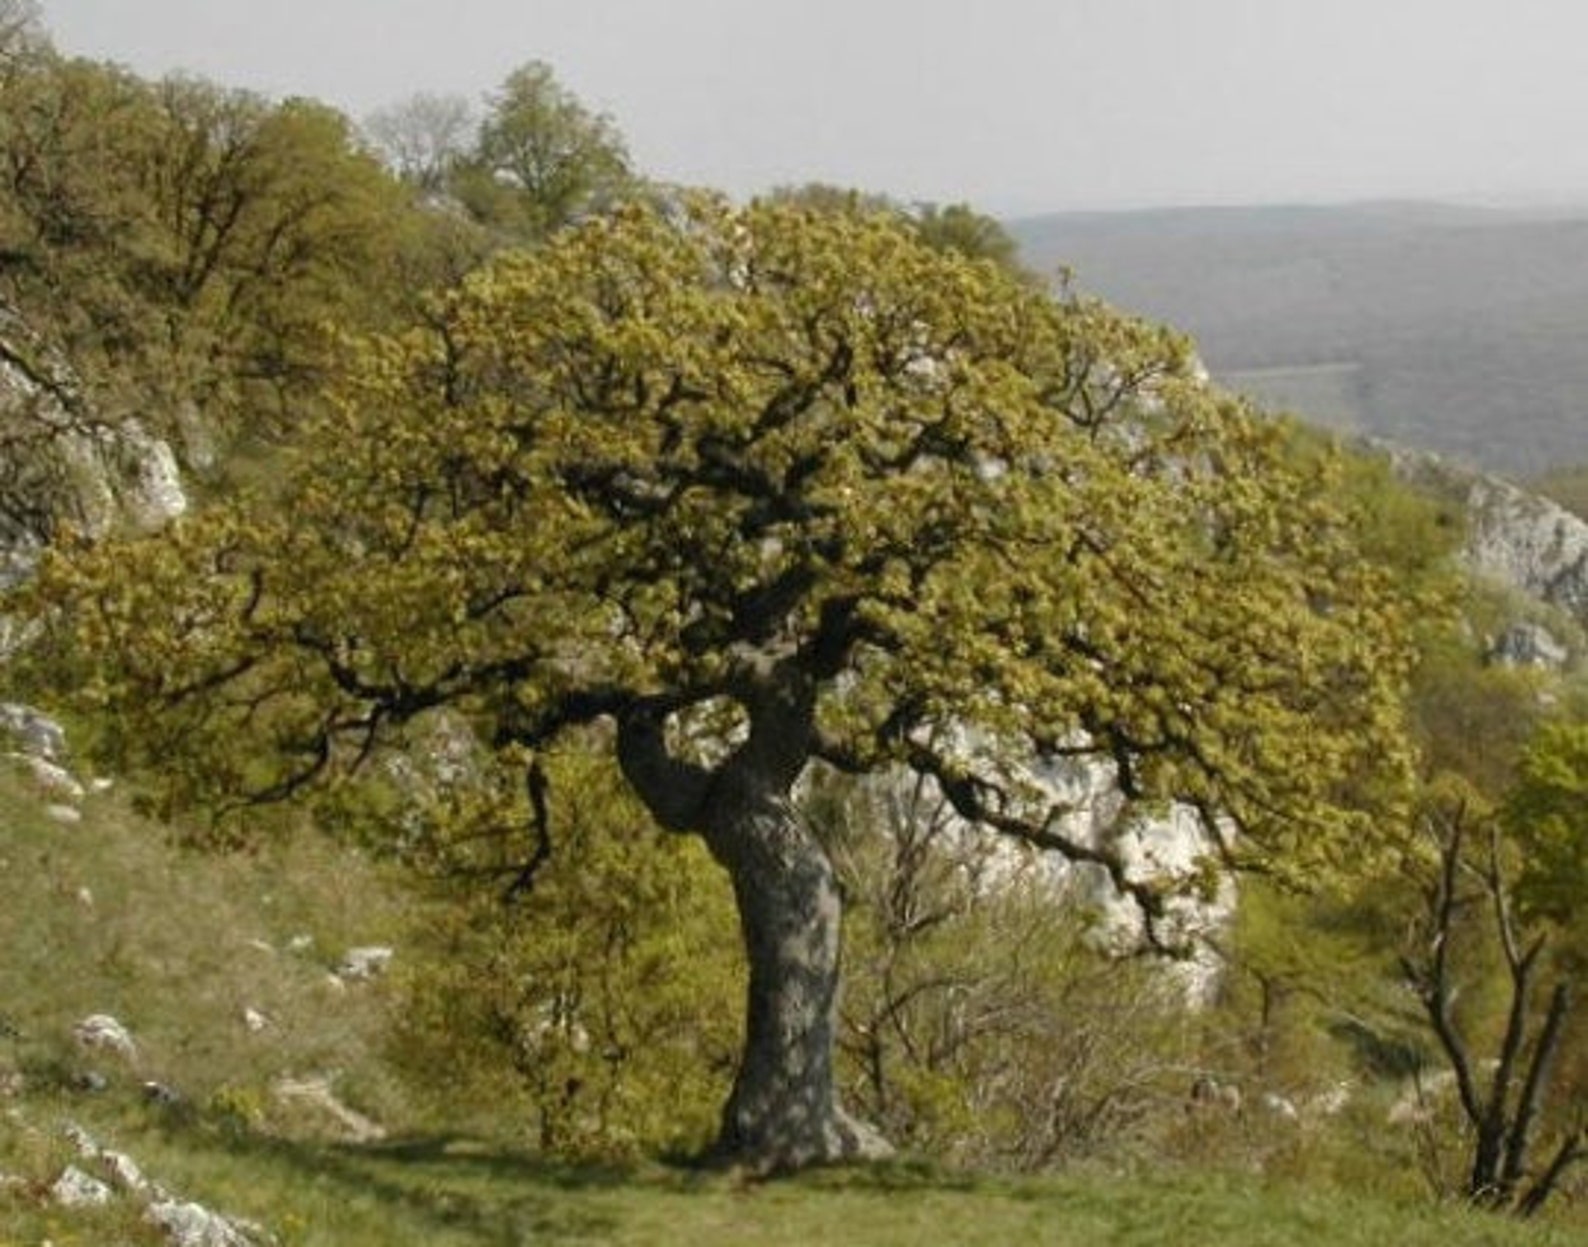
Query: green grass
{"points": [[441, 1194], [107, 915]]}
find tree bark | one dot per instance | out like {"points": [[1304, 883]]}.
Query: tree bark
{"points": [[783, 1112]]}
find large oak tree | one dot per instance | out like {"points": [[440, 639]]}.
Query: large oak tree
{"points": [[736, 492]]}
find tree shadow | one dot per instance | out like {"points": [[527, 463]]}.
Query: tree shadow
{"points": [[453, 1184]]}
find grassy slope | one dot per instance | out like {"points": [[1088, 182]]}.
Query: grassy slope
{"points": [[171, 942], [318, 1195]]}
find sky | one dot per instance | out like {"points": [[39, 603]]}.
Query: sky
{"points": [[1014, 106]]}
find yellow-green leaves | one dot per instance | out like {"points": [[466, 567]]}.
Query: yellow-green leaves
{"points": [[673, 449]]}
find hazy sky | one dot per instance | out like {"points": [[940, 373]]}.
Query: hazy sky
{"points": [[1014, 105]]}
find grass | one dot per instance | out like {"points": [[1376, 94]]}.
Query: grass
{"points": [[445, 1194], [107, 915]]}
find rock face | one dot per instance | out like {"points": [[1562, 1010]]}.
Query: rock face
{"points": [[1168, 846], [1528, 542], [1514, 538], [62, 464]]}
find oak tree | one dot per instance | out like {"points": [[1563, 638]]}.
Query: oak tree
{"points": [[734, 492]]}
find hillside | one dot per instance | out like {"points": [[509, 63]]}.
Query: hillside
{"points": [[106, 913], [1451, 329], [752, 525]]}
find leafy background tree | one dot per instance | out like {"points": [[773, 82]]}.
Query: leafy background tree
{"points": [[541, 159], [596, 996], [177, 249]]}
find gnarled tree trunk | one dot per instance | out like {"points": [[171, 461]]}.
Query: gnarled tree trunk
{"points": [[783, 1112]]}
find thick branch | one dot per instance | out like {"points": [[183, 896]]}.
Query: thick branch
{"points": [[982, 802], [673, 791]]}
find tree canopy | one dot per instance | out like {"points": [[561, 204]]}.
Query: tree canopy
{"points": [[733, 492], [178, 247], [541, 159]]}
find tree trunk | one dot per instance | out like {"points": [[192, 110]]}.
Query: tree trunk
{"points": [[783, 1112]]}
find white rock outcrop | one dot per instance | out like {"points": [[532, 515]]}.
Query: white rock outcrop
{"points": [[76, 1189], [193, 1225], [32, 732], [1514, 538], [183, 1222]]}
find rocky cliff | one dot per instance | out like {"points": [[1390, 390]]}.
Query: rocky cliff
{"points": [[63, 464]]}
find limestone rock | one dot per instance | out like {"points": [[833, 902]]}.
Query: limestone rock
{"points": [[123, 1173], [1528, 645], [76, 1189], [359, 964], [318, 1096], [53, 780], [193, 1225], [160, 1093], [1514, 538], [31, 731], [101, 1031]]}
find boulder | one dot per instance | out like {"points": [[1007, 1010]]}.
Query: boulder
{"points": [[76, 1189], [32, 732], [1529, 645], [103, 1032], [359, 964]]}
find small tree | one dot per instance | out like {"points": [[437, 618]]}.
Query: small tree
{"points": [[425, 136], [541, 159], [600, 998], [1512, 1102], [731, 492]]}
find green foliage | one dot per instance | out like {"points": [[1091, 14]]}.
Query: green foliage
{"points": [[856, 492], [1472, 718], [960, 228], [957, 227], [182, 247], [541, 159], [601, 1000], [1546, 813], [655, 442]]}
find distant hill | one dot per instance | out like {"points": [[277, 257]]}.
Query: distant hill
{"points": [[1459, 330]]}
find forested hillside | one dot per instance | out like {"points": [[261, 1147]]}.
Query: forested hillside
{"points": [[1450, 329]]}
